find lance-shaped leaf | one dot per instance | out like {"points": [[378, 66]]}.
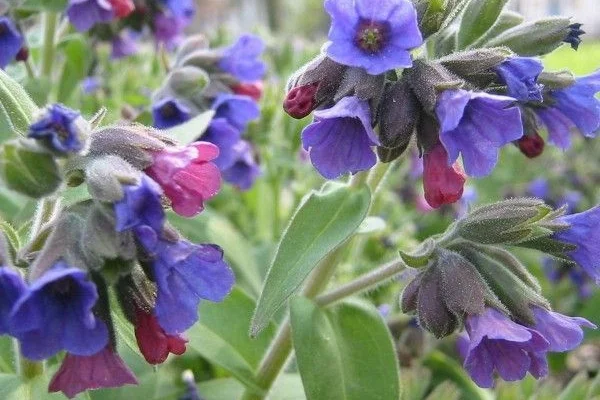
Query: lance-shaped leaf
{"points": [[478, 18], [345, 353], [16, 107], [191, 130], [323, 221]]}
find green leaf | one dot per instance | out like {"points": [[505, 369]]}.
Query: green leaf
{"points": [[44, 5], [322, 222], [286, 387], [12, 387], [191, 130], [478, 18], [345, 353], [17, 107], [371, 225], [78, 58], [221, 337]]}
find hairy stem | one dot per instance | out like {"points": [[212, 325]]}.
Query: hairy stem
{"points": [[50, 20]]}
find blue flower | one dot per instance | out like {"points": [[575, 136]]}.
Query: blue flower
{"points": [[84, 14], [180, 8], [123, 45], [498, 343], [374, 35], [55, 313], [583, 232], [170, 112], [340, 139], [520, 75], [91, 84], [11, 41], [574, 106], [225, 137], [242, 59], [476, 125], [140, 206], [562, 332], [62, 129], [244, 170], [238, 110], [168, 29], [185, 273], [539, 188], [11, 289]]}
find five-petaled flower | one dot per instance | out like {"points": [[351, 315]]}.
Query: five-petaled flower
{"points": [[61, 129]]}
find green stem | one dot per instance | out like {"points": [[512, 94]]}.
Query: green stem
{"points": [[50, 20], [26, 368], [45, 211], [377, 176]]}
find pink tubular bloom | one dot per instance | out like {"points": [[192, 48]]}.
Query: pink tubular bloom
{"points": [[104, 369], [443, 184], [187, 176], [253, 89], [155, 345]]}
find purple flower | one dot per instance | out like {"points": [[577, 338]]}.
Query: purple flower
{"points": [[571, 199], [556, 270], [539, 188], [11, 41], [584, 232], [91, 84], [564, 333], [84, 14], [225, 137], [169, 112], [374, 35], [242, 59], [104, 369], [123, 45], [180, 8], [184, 274], [61, 129], [498, 343], [11, 289], [140, 206], [55, 313], [168, 29], [520, 75], [244, 170], [236, 109], [574, 106], [477, 124], [340, 139]]}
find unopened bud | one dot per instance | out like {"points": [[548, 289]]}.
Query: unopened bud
{"points": [[189, 45], [443, 184], [301, 101], [476, 66], [427, 79], [188, 80], [531, 145], [253, 90], [23, 54]]}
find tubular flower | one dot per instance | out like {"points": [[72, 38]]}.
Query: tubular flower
{"points": [[237, 110], [242, 59], [443, 184], [155, 345], [520, 75], [244, 170], [374, 35], [84, 14], [11, 41]]}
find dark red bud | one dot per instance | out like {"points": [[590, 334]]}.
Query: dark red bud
{"points": [[254, 89], [155, 345], [531, 145], [443, 184], [300, 101], [122, 7], [23, 54]]}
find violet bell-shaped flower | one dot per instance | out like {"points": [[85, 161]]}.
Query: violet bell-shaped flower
{"points": [[376, 35], [477, 125], [520, 75], [84, 14], [242, 59], [11, 41], [340, 139]]}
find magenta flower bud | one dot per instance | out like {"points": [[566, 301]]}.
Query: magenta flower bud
{"points": [[104, 369], [187, 176], [301, 101], [154, 343], [443, 183]]}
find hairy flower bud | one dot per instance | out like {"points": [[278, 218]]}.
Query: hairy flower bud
{"points": [[106, 176], [188, 80], [427, 79], [320, 79], [476, 66], [189, 45], [532, 145]]}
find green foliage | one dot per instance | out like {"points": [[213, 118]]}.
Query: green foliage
{"points": [[479, 16]]}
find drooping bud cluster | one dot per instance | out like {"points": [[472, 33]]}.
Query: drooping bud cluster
{"points": [[227, 81], [465, 104], [117, 239], [467, 278]]}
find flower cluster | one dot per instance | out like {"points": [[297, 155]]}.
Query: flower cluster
{"points": [[121, 22], [226, 81], [472, 281], [468, 104], [118, 240]]}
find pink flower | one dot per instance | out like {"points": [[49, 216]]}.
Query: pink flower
{"points": [[253, 89], [187, 176], [104, 369], [443, 184], [155, 345]]}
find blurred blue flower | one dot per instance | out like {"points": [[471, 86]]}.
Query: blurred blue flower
{"points": [[168, 29], [91, 84], [180, 8], [84, 14], [520, 75], [222, 134], [61, 128], [169, 112], [244, 170], [238, 110], [11, 41], [574, 106], [539, 188], [374, 35], [477, 125], [340, 139], [140, 206], [12, 287], [242, 59], [123, 45], [55, 313]]}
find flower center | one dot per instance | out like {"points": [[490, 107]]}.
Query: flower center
{"points": [[168, 111], [61, 132], [371, 36], [63, 288]]}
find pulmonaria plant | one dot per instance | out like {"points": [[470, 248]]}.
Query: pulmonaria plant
{"points": [[61, 304]]}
